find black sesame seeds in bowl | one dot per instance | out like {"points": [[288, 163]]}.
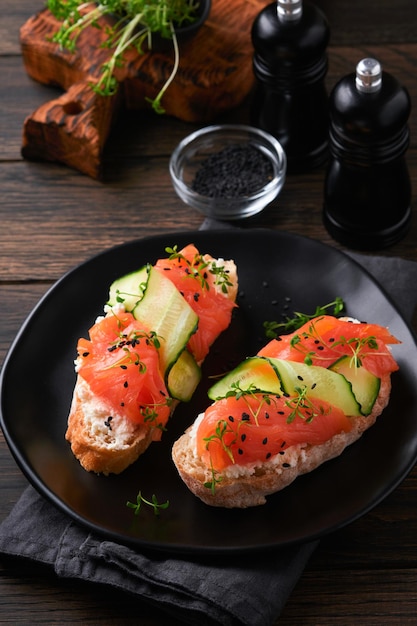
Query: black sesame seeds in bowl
{"points": [[228, 172]]}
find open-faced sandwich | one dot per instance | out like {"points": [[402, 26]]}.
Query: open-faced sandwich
{"points": [[296, 404], [143, 355]]}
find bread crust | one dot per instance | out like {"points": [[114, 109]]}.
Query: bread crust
{"points": [[251, 489]]}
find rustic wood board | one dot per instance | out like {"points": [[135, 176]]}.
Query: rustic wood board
{"points": [[214, 76]]}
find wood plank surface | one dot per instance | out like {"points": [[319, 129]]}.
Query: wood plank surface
{"points": [[53, 218]]}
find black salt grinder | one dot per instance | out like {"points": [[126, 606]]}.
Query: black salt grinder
{"points": [[367, 191], [290, 64]]}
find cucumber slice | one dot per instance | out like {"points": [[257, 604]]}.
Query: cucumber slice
{"points": [[129, 289], [277, 376], [154, 300], [255, 372], [167, 313], [321, 383], [183, 377], [365, 385]]}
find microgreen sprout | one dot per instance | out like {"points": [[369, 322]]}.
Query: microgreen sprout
{"points": [[150, 414], [216, 478], [136, 506], [291, 324], [137, 22], [251, 391], [301, 406], [222, 429]]}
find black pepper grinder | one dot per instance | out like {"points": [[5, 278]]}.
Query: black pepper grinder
{"points": [[367, 187], [290, 64]]}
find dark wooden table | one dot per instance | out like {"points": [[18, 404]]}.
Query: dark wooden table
{"points": [[53, 218]]}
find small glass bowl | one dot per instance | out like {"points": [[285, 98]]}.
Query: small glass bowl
{"points": [[192, 153]]}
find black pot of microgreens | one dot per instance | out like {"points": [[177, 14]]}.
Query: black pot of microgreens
{"points": [[133, 24]]}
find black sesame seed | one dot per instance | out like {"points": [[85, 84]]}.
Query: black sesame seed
{"points": [[264, 441], [268, 455], [243, 437], [240, 451], [320, 348], [125, 384], [123, 367], [231, 418], [300, 377], [232, 172], [85, 354]]}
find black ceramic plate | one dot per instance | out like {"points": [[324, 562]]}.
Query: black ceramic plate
{"points": [[278, 273]]}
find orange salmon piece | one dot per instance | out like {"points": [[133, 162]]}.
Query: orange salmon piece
{"points": [[250, 428], [120, 363], [326, 339], [197, 284]]}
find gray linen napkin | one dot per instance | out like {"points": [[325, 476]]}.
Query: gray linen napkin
{"points": [[204, 591], [230, 591]]}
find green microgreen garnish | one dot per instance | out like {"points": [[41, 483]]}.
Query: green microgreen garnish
{"points": [[222, 428], [134, 338], [216, 478], [121, 296], [127, 344], [136, 506], [251, 391], [301, 406], [136, 23], [291, 324], [150, 414], [199, 269]]}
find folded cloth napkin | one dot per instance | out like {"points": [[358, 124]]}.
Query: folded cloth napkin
{"points": [[209, 591], [205, 591]]}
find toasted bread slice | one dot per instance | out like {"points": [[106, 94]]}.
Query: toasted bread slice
{"points": [[246, 486], [104, 440]]}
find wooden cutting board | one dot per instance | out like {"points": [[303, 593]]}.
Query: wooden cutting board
{"points": [[215, 75]]}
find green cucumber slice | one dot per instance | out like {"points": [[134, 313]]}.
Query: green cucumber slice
{"points": [[167, 313], [365, 385], [276, 376], [154, 300], [129, 289], [183, 377], [321, 383], [255, 372]]}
